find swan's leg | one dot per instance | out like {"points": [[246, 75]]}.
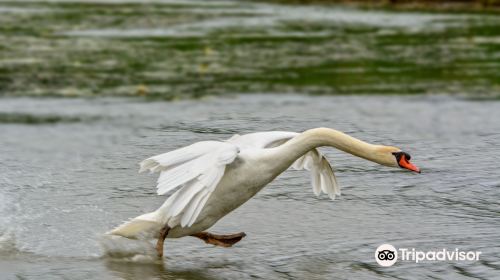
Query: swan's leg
{"points": [[219, 239], [159, 245]]}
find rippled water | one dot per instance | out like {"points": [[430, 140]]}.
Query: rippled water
{"points": [[191, 48], [68, 173]]}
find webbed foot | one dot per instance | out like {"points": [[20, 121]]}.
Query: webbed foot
{"points": [[219, 239]]}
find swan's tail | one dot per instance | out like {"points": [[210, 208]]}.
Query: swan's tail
{"points": [[142, 227]]}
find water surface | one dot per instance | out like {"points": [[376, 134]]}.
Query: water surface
{"points": [[192, 48], [68, 173]]}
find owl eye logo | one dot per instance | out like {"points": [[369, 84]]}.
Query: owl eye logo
{"points": [[386, 255]]}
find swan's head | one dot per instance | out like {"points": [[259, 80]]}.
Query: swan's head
{"points": [[403, 160], [394, 157]]}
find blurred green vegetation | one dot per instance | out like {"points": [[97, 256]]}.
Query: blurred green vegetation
{"points": [[169, 51], [429, 5]]}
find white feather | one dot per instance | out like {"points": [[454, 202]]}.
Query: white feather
{"points": [[197, 211], [322, 176], [184, 196], [174, 158], [193, 178], [190, 209], [316, 183]]}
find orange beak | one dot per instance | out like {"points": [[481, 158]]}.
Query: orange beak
{"points": [[404, 163]]}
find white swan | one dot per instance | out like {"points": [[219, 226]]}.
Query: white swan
{"points": [[212, 178]]}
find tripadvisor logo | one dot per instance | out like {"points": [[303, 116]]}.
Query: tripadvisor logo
{"points": [[387, 255]]}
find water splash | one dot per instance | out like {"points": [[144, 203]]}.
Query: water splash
{"points": [[118, 247]]}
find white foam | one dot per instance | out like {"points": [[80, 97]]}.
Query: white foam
{"points": [[128, 249]]}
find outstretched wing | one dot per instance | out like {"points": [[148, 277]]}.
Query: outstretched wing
{"points": [[177, 157], [323, 177], [195, 171], [262, 140]]}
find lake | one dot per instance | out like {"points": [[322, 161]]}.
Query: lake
{"points": [[90, 88], [68, 174], [168, 49]]}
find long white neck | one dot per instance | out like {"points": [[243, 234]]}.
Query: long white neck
{"points": [[296, 147]]}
